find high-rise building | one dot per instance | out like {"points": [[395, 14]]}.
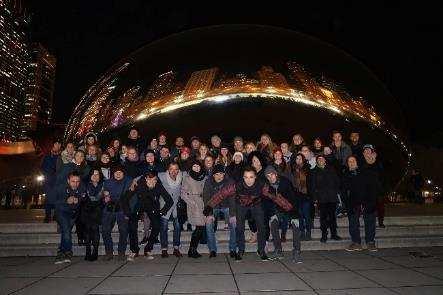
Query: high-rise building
{"points": [[14, 63], [200, 82], [299, 76], [269, 78], [163, 85], [40, 91]]}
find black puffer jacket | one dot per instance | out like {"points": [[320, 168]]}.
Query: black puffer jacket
{"points": [[324, 185], [359, 188]]}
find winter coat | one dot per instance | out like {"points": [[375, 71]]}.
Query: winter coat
{"points": [[91, 205], [211, 187], [149, 200], [324, 185], [359, 188], [132, 168], [49, 169], [342, 153], [83, 170], [62, 193], [174, 190], [235, 171], [284, 187], [192, 194], [117, 189]]}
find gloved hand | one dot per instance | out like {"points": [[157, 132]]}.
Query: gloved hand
{"points": [[207, 211]]}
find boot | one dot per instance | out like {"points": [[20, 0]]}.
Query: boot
{"points": [[302, 236], [192, 253], [88, 253], [283, 238], [108, 256], [308, 236], [94, 254]]}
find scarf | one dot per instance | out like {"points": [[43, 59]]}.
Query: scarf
{"points": [[173, 184], [197, 176]]}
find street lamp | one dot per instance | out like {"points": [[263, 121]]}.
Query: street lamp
{"points": [[40, 178]]}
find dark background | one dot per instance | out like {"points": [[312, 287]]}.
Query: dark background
{"points": [[400, 43]]}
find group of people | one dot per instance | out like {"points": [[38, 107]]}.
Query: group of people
{"points": [[274, 188]]}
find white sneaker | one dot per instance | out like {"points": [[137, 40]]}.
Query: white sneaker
{"points": [[149, 256], [131, 256]]}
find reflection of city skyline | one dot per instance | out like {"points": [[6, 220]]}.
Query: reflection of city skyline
{"points": [[97, 112]]}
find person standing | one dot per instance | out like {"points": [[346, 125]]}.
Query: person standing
{"points": [[360, 189], [325, 187], [49, 170], [67, 198], [113, 190], [172, 181], [192, 194]]}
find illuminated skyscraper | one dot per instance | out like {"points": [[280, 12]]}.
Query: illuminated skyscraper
{"points": [[269, 78], [40, 91], [200, 82], [14, 62], [163, 85]]}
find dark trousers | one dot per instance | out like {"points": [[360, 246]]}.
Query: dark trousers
{"points": [[65, 219], [133, 233], [381, 210], [80, 229], [155, 231], [305, 216], [92, 238], [354, 225], [328, 219], [197, 236], [258, 217], [275, 225]]}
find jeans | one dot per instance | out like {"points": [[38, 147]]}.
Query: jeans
{"points": [[354, 226], [328, 219], [164, 233], [66, 221], [210, 231], [274, 225], [257, 215], [305, 216], [108, 222]]}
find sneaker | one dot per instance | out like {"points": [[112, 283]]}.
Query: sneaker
{"points": [[144, 241], [323, 239], [354, 247], [296, 257], [264, 257], [131, 256], [60, 258], [372, 247], [381, 225], [177, 253], [232, 254], [149, 255], [277, 255], [68, 257], [165, 254], [212, 254], [336, 238]]}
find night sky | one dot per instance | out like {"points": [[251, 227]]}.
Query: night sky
{"points": [[400, 43]]}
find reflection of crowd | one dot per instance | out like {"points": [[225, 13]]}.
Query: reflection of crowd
{"points": [[274, 188]]}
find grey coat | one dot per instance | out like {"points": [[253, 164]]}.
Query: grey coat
{"points": [[174, 191]]}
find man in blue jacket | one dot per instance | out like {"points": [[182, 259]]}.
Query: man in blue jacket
{"points": [[48, 169], [66, 198], [113, 189]]}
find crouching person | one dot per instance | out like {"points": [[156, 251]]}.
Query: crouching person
{"points": [[281, 186], [90, 213], [213, 184], [67, 200], [148, 194]]}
